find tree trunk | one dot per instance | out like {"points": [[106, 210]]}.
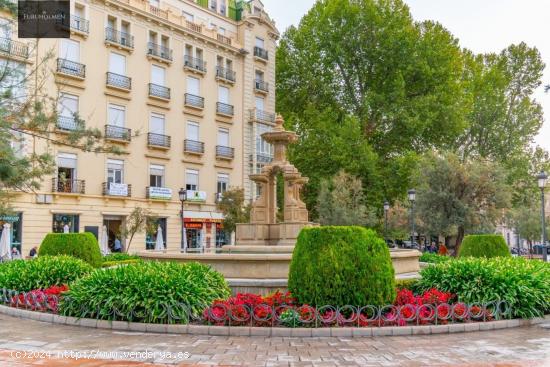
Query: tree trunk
{"points": [[459, 238]]}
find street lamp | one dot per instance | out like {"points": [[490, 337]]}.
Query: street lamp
{"points": [[542, 177], [412, 197], [183, 197], [386, 208]]}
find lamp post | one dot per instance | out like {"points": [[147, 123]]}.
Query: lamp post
{"points": [[183, 197], [542, 177], [412, 197], [518, 242], [386, 208]]}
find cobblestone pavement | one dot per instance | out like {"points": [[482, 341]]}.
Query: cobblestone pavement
{"points": [[27, 342]]}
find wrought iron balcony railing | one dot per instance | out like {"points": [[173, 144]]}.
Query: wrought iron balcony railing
{"points": [[119, 81], [159, 140], [118, 133], [116, 189], [159, 91], [159, 51], [75, 23], [68, 186], [194, 63], [193, 146], [226, 74], [193, 100], [67, 123], [225, 152], [261, 53], [14, 48], [224, 109], [261, 85], [262, 116], [119, 38], [71, 68]]}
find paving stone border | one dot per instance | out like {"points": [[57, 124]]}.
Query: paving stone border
{"points": [[274, 331]]}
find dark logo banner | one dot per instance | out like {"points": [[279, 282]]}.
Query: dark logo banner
{"points": [[44, 19]]}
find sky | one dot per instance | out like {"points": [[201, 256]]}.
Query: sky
{"points": [[481, 26]]}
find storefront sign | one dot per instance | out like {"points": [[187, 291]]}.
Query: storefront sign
{"points": [[193, 225], [160, 193], [196, 196], [9, 218], [118, 189]]}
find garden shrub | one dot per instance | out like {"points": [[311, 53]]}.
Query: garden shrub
{"points": [[410, 284], [341, 266], [484, 245], [145, 291], [83, 246], [42, 272], [120, 256], [434, 258], [523, 284], [108, 264]]}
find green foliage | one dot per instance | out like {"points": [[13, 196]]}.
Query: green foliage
{"points": [[42, 272], [141, 292], [139, 220], [83, 246], [428, 257], [410, 284], [341, 266], [524, 284], [108, 264], [119, 256], [234, 209], [484, 245]]}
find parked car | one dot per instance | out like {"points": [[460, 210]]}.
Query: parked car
{"points": [[390, 243], [410, 245]]}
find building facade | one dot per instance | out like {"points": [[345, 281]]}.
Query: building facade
{"points": [[184, 88]]}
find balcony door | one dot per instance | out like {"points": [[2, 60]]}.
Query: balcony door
{"points": [[66, 172], [223, 95], [193, 86], [70, 50], [223, 137], [116, 115], [156, 124], [260, 103], [117, 64], [5, 28], [157, 75], [115, 171]]}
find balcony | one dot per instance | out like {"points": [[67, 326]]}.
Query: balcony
{"points": [[159, 141], [223, 152], [117, 189], [158, 193], [264, 157], [224, 109], [71, 68], [159, 91], [194, 64], [257, 115], [159, 52], [193, 101], [119, 81], [120, 39], [68, 186], [75, 24], [225, 74], [261, 86], [118, 133], [14, 48], [193, 146], [261, 53], [224, 39], [193, 26], [67, 123]]}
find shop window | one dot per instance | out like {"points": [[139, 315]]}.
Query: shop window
{"points": [[16, 228], [152, 232], [62, 221]]}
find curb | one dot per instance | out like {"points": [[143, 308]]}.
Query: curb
{"points": [[271, 332]]}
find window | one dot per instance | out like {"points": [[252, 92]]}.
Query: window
{"points": [[152, 37], [79, 11], [259, 101], [66, 172], [191, 180], [260, 42], [5, 28], [259, 76], [229, 64], [213, 5], [12, 79], [117, 115], [223, 94], [117, 63], [223, 137], [61, 222], [68, 105], [223, 183], [188, 16], [222, 7], [262, 147], [111, 23], [156, 124], [221, 30], [151, 238], [192, 131], [193, 86], [70, 50], [115, 171], [156, 175], [157, 75], [155, 3]]}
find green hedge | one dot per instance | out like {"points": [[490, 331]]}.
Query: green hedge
{"points": [[141, 292], [42, 272], [428, 257], [525, 284], [108, 264], [341, 266], [484, 245], [83, 246], [120, 256]]}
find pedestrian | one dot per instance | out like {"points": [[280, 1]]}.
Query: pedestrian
{"points": [[33, 252], [15, 254], [118, 245], [433, 248]]}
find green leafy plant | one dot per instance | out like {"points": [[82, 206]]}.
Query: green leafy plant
{"points": [[290, 318], [410, 284], [434, 258], [108, 264], [142, 292], [119, 256], [83, 246], [484, 245], [523, 284], [341, 266], [42, 272]]}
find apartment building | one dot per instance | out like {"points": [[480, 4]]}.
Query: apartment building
{"points": [[185, 88]]}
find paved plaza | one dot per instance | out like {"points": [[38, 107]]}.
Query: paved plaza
{"points": [[26, 342]]}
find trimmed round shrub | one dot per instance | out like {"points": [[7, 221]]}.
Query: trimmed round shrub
{"points": [[484, 245], [152, 292], [341, 266], [523, 284], [83, 246], [42, 272]]}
